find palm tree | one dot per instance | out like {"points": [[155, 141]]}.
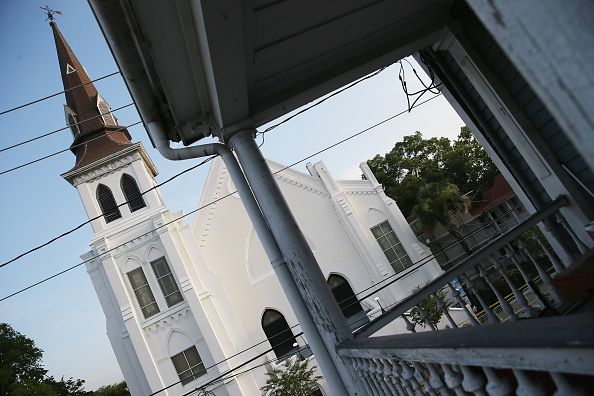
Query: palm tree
{"points": [[440, 203]]}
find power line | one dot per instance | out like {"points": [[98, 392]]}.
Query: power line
{"points": [[210, 203], [61, 129], [292, 336], [66, 149], [56, 94], [320, 102], [70, 231]]}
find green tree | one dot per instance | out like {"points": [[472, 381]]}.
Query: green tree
{"points": [[296, 378], [119, 389], [429, 307], [415, 162], [441, 204], [21, 370]]}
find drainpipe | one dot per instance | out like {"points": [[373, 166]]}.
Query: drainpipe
{"points": [[269, 244]]}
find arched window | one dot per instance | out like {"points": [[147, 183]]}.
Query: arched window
{"points": [[107, 203], [344, 295], [105, 112], [132, 193], [278, 332]]}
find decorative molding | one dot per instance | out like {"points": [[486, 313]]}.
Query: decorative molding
{"points": [[300, 184], [134, 244], [344, 204], [167, 319], [106, 169], [211, 209]]}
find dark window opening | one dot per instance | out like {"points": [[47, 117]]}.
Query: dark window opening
{"points": [[188, 365], [132, 193], [108, 205], [278, 332], [344, 295]]}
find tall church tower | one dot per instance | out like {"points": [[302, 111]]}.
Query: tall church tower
{"points": [[167, 317]]}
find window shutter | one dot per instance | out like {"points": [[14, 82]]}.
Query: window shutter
{"points": [[132, 193], [108, 205]]}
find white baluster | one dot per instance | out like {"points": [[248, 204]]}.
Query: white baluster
{"points": [[453, 379], [471, 318], [398, 374], [473, 381], [528, 386], [408, 375], [366, 366], [422, 379], [530, 311], [393, 383], [580, 245], [509, 311], [513, 256], [442, 307], [490, 315], [565, 387], [410, 326], [378, 370], [497, 385], [359, 369], [544, 275], [552, 256]]}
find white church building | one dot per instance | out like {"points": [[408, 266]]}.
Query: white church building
{"points": [[186, 303]]}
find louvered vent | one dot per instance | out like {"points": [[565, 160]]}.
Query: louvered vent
{"points": [[105, 111], [132, 193], [73, 123], [108, 204]]}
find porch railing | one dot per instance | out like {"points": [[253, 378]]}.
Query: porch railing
{"points": [[483, 355]]}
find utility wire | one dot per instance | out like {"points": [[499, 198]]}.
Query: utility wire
{"points": [[319, 102], [210, 203], [443, 249], [61, 129], [56, 94], [66, 149], [70, 231]]}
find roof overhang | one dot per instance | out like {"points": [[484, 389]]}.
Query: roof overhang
{"points": [[196, 66]]}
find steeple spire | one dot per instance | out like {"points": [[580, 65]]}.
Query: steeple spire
{"points": [[95, 129]]}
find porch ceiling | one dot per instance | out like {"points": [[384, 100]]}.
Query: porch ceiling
{"points": [[228, 61]]}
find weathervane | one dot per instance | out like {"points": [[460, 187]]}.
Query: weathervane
{"points": [[50, 13]]}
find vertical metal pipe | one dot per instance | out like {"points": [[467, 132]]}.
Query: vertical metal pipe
{"points": [[282, 273], [323, 309]]}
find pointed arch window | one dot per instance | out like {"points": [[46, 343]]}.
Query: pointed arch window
{"points": [[108, 205], [142, 291], [278, 332], [132, 193], [105, 112], [71, 121], [344, 295]]}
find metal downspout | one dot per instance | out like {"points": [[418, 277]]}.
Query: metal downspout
{"points": [[269, 244]]}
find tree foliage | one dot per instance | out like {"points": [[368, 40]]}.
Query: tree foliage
{"points": [[119, 389], [416, 162], [430, 308], [21, 370], [296, 378]]}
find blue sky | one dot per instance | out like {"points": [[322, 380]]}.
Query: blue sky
{"points": [[63, 316]]}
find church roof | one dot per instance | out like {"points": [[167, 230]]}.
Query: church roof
{"points": [[96, 132]]}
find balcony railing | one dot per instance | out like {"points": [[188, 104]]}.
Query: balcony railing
{"points": [[492, 351]]}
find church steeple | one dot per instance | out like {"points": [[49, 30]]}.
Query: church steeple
{"points": [[95, 130]]}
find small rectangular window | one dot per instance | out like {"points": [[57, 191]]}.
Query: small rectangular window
{"points": [[188, 365], [391, 246], [143, 293], [167, 282]]}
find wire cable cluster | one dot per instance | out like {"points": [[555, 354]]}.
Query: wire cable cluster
{"points": [[210, 203], [432, 87]]}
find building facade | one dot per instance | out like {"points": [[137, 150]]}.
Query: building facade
{"points": [[184, 305]]}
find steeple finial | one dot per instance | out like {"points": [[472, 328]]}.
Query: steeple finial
{"points": [[50, 13]]}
